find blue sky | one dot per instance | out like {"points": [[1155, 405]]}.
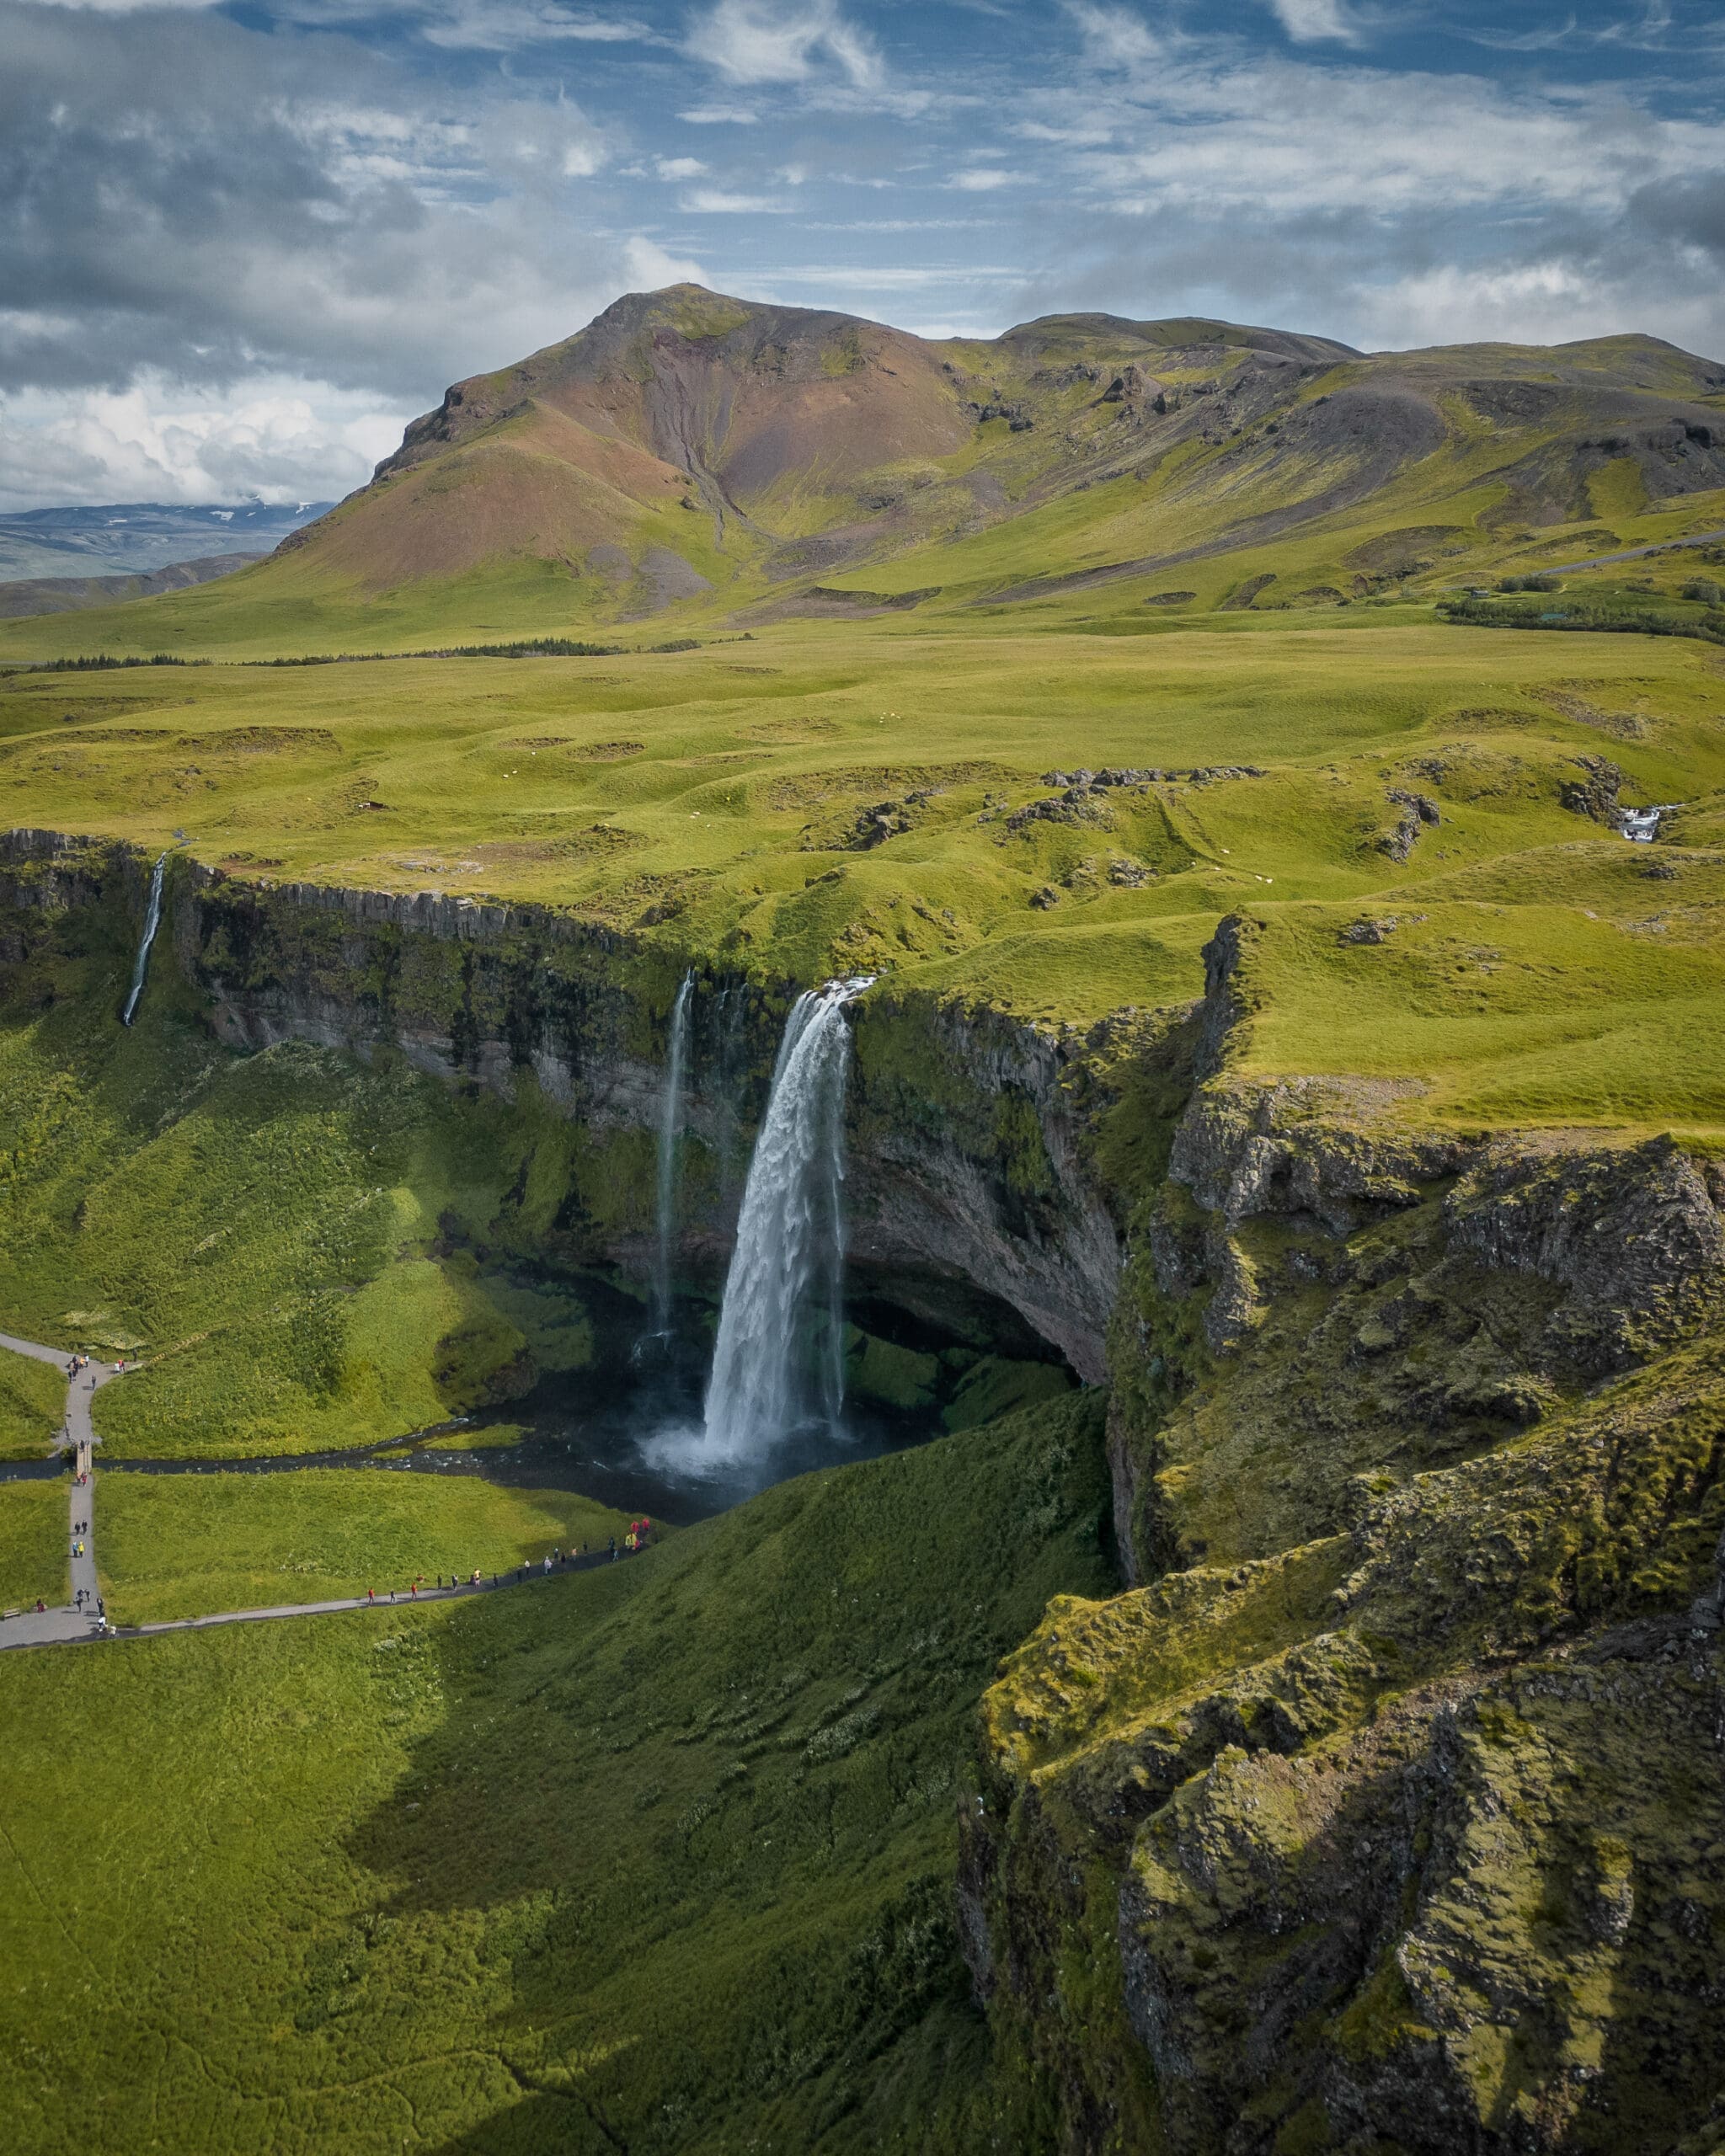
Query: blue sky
{"points": [[240, 245]]}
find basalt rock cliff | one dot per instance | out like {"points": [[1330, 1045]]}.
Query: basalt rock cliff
{"points": [[1386, 1812]]}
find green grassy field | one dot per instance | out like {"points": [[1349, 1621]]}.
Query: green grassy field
{"points": [[716, 804], [181, 1545], [657, 1855], [32, 1405], [33, 1543]]}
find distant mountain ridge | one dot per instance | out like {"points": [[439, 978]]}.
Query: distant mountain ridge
{"points": [[136, 538], [70, 594]]}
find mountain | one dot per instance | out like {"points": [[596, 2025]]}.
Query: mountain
{"points": [[686, 444], [70, 595], [133, 538], [708, 463]]}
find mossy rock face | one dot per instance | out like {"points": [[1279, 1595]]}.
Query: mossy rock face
{"points": [[895, 1377]]}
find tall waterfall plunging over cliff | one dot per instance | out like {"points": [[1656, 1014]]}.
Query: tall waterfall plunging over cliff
{"points": [[152, 921], [670, 1119], [790, 1245]]}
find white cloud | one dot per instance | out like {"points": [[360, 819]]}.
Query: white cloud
{"points": [[719, 202], [497, 26], [780, 40], [274, 440], [1113, 38], [719, 116], [121, 7], [1308, 21], [679, 167], [1036, 130], [860, 278], [1280, 138], [981, 180], [650, 268]]}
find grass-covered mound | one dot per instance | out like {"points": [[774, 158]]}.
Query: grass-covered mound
{"points": [[180, 1545], [33, 1543], [658, 1856]]}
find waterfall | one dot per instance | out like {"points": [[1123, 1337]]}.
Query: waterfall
{"points": [[152, 921], [670, 1119], [790, 1243]]}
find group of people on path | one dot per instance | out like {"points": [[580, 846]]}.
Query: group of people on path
{"points": [[640, 1535]]}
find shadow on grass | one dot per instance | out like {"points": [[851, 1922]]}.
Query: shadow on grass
{"points": [[703, 1804]]}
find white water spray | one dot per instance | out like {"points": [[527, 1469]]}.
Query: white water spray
{"points": [[670, 1120], [790, 1244], [152, 921]]}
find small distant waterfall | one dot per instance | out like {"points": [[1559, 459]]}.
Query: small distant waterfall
{"points": [[790, 1244], [670, 1122], [152, 921]]}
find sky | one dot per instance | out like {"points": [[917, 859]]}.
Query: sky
{"points": [[242, 243]]}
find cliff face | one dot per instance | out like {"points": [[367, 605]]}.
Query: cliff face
{"points": [[963, 1150], [1388, 1811]]}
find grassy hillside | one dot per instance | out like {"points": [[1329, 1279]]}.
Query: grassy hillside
{"points": [[656, 1856], [32, 1405], [181, 1545]]}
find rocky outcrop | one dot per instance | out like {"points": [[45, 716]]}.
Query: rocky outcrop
{"points": [[1633, 1235], [1378, 1814]]}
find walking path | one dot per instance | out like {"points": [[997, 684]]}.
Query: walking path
{"points": [[69, 1623], [35, 1629]]}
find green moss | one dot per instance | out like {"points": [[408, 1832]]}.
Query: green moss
{"points": [[897, 1377]]}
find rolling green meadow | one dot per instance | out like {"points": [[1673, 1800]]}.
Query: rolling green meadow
{"points": [[709, 804]]}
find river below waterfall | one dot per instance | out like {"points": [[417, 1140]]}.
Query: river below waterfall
{"points": [[577, 1433]]}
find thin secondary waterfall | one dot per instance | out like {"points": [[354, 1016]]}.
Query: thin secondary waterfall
{"points": [[152, 921], [790, 1245], [670, 1123]]}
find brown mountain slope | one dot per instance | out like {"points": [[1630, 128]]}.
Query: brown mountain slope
{"points": [[685, 441]]}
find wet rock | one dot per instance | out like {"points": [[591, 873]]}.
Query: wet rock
{"points": [[1595, 795]]}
